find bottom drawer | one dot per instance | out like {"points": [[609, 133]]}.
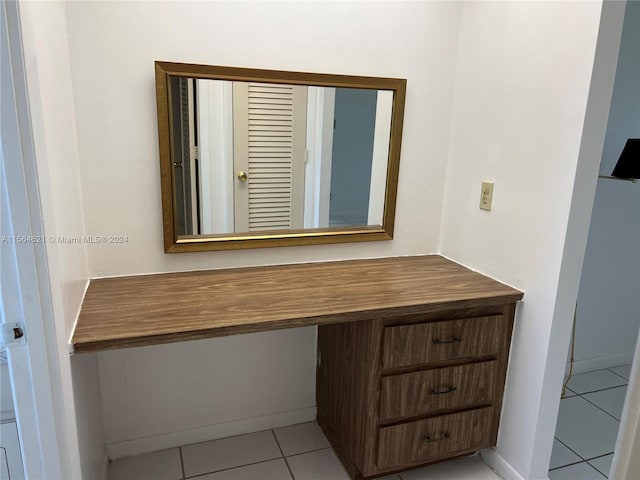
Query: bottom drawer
{"points": [[434, 438]]}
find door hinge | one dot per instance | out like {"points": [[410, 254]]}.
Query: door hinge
{"points": [[13, 333]]}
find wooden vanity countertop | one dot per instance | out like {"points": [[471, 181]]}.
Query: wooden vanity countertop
{"points": [[144, 310]]}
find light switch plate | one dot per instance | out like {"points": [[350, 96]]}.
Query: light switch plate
{"points": [[486, 195]]}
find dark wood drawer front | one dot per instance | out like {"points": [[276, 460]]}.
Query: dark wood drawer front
{"points": [[428, 391], [434, 438], [441, 341]]}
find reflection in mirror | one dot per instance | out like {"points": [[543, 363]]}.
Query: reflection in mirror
{"points": [[252, 156], [261, 158]]}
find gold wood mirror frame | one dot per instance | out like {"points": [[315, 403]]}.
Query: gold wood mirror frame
{"points": [[181, 238]]}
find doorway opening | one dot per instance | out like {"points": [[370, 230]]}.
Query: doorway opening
{"points": [[607, 317]]}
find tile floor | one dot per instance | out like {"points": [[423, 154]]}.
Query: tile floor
{"points": [[588, 424], [298, 452]]}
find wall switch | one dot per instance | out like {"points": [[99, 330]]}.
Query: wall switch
{"points": [[486, 195]]}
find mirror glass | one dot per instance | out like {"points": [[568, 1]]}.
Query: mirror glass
{"points": [[252, 157]]}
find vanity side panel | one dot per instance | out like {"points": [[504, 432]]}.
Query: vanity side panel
{"points": [[348, 390], [503, 360]]}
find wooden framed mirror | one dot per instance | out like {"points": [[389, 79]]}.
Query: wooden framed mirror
{"points": [[263, 158]]}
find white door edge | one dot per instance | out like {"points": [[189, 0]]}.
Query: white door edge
{"points": [[38, 399]]}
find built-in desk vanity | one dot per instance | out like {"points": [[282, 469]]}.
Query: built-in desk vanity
{"points": [[412, 351]]}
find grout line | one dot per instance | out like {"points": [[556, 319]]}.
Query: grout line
{"points": [[581, 395], [567, 465], [616, 373], [200, 475], [310, 451], [223, 423], [282, 452], [597, 470], [599, 456], [602, 389], [578, 463], [602, 410], [181, 462], [572, 450], [608, 369], [582, 460], [493, 470]]}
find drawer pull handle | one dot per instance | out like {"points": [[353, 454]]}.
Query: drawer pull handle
{"points": [[437, 341], [433, 391], [429, 438]]}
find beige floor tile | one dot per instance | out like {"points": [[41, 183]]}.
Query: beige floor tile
{"points": [[318, 465], [301, 438], [470, 468], [232, 452], [162, 465], [271, 470]]}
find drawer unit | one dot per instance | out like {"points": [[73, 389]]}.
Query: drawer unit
{"points": [[434, 438], [425, 343], [439, 389], [399, 391]]}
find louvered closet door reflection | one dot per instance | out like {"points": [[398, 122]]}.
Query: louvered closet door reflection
{"points": [[269, 146]]}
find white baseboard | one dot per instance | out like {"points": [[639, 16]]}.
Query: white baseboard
{"points": [[598, 363], [210, 432], [498, 464]]}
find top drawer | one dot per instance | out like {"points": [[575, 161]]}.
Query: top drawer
{"points": [[441, 341]]}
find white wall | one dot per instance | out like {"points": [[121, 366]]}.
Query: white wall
{"points": [[608, 313], [522, 84], [52, 113], [113, 46], [197, 391]]}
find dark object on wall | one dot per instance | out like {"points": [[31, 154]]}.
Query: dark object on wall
{"points": [[628, 165]]}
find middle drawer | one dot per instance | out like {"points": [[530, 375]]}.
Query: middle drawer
{"points": [[429, 391]]}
